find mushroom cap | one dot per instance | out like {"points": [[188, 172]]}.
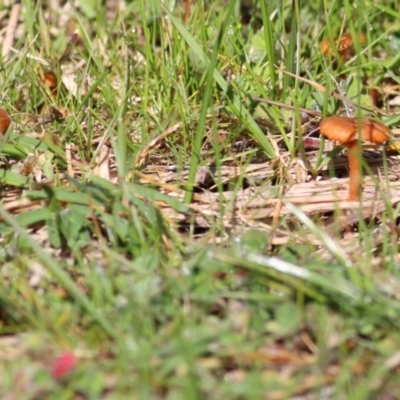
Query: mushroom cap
{"points": [[5, 121], [50, 80], [345, 129], [342, 43]]}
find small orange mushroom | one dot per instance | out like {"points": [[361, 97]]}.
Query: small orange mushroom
{"points": [[343, 44], [348, 131], [50, 81], [5, 121]]}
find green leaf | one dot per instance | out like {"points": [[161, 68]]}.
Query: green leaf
{"points": [[75, 229], [13, 150], [132, 189], [12, 178], [33, 217]]}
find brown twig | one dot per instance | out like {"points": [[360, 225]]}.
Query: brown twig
{"points": [[289, 107], [323, 89], [11, 28], [144, 152]]}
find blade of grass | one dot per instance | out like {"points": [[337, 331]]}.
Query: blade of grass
{"points": [[269, 44], [290, 53], [236, 105], [262, 263], [196, 145], [330, 244]]}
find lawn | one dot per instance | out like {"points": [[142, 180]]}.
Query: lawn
{"points": [[172, 223]]}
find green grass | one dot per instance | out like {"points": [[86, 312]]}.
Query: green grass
{"points": [[164, 285]]}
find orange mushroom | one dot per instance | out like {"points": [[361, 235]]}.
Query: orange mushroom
{"points": [[343, 44], [50, 81], [348, 131], [5, 121]]}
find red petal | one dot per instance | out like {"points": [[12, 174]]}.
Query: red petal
{"points": [[63, 365]]}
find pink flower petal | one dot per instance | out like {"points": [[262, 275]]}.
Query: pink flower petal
{"points": [[63, 365]]}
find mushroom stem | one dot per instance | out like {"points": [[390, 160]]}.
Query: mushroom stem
{"points": [[354, 166]]}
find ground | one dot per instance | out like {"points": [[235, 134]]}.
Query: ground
{"points": [[172, 226]]}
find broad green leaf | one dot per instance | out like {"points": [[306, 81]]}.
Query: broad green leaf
{"points": [[12, 178]]}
